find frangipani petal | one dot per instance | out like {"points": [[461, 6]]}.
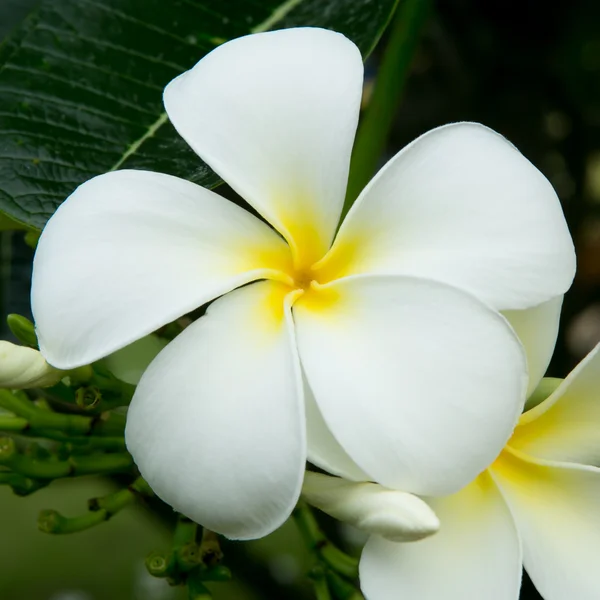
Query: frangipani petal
{"points": [[130, 251], [419, 382], [216, 426], [566, 426], [394, 515], [461, 205], [323, 449], [555, 507], [274, 114], [476, 553], [537, 329]]}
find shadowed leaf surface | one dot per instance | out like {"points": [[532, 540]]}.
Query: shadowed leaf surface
{"points": [[81, 85]]}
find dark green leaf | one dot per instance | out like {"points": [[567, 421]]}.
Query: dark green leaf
{"points": [[81, 85]]}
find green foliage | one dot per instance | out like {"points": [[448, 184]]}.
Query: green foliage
{"points": [[81, 85]]}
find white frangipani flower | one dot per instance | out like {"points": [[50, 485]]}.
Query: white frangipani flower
{"points": [[459, 225], [535, 506], [22, 368]]}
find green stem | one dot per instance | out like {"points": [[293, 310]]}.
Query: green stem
{"points": [[321, 546], [342, 589], [320, 584], [378, 118], [40, 419], [9, 423], [185, 548], [80, 443], [22, 486], [196, 589], [101, 509], [54, 469]]}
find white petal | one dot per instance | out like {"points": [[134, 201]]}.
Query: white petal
{"points": [[556, 511], [475, 555], [395, 515], [274, 114], [130, 251], [324, 450], [216, 426], [537, 329], [419, 382], [461, 205], [23, 368], [566, 426]]}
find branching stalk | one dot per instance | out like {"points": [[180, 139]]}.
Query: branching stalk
{"points": [[321, 546]]}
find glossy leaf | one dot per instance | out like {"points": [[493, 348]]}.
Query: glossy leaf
{"points": [[81, 85]]}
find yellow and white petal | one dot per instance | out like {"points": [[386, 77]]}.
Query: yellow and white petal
{"points": [[323, 449], [22, 367], [475, 555], [130, 251], [463, 206], [555, 507], [566, 426], [537, 329], [274, 114], [419, 382], [216, 425], [394, 515]]}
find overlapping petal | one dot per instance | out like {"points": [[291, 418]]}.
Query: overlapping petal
{"points": [[275, 114], [323, 449], [476, 553], [555, 507], [216, 426], [461, 205], [130, 251], [566, 426], [537, 329], [419, 382]]}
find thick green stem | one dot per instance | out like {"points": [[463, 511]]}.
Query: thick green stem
{"points": [[196, 589], [29, 466], [320, 545], [40, 420], [320, 584], [378, 118], [342, 589], [22, 486], [100, 510], [9, 423]]}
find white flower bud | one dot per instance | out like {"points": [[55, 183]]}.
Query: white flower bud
{"points": [[22, 367], [396, 516]]}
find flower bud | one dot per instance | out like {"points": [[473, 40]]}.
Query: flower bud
{"points": [[23, 329], [396, 516], [22, 367]]}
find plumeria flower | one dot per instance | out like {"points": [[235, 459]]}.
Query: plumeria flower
{"points": [[456, 227], [536, 505]]}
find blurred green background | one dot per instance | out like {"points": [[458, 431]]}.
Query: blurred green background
{"points": [[528, 69]]}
